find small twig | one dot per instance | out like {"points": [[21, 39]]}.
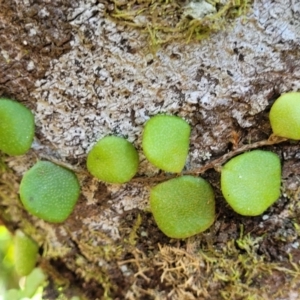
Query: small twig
{"points": [[58, 162], [216, 163], [159, 178]]}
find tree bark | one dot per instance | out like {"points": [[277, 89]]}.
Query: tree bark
{"points": [[85, 76]]}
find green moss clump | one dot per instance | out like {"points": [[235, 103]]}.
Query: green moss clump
{"points": [[168, 20]]}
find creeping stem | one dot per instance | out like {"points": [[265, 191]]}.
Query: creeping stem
{"points": [[216, 163]]}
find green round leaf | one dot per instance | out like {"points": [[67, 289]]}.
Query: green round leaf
{"points": [[16, 127], [250, 182], [49, 191], [33, 281], [5, 240], [13, 294], [285, 116], [25, 253], [166, 142], [183, 206], [113, 159]]}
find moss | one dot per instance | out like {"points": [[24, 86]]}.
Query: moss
{"points": [[168, 20], [133, 233], [193, 269], [3, 166], [237, 271]]}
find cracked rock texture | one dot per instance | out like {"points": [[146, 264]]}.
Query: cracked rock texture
{"points": [[85, 76]]}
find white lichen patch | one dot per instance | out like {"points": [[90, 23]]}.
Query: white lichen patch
{"points": [[197, 157], [107, 222], [89, 190], [199, 9], [110, 83], [128, 197]]}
